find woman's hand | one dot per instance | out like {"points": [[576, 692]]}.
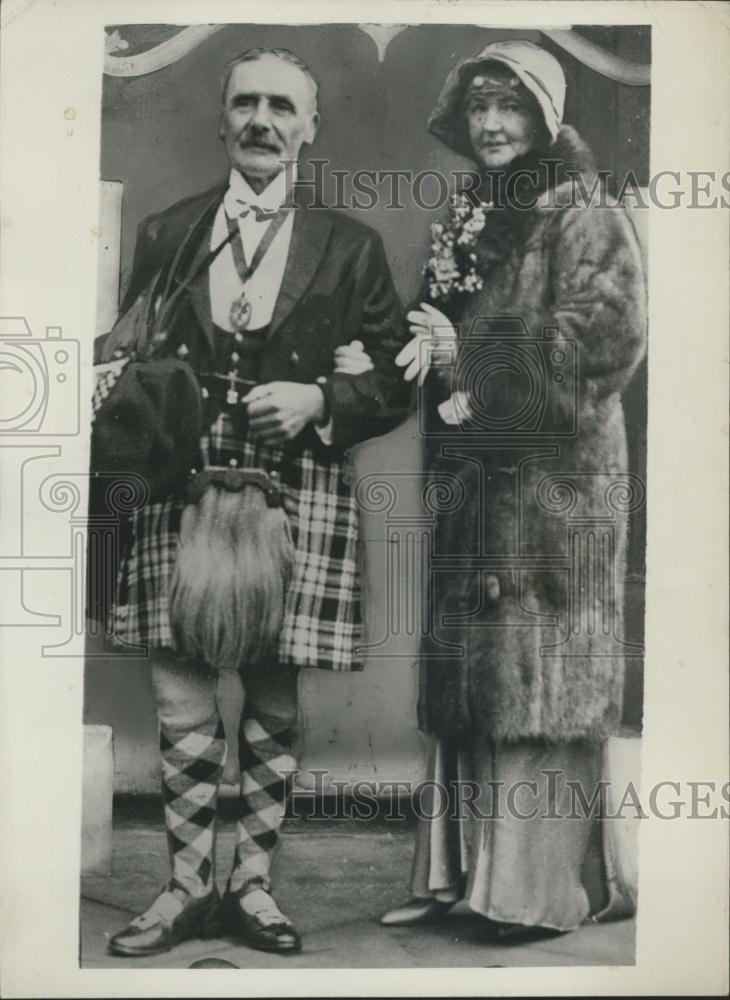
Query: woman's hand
{"points": [[456, 409], [352, 359], [433, 343]]}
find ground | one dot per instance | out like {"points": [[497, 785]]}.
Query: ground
{"points": [[333, 878]]}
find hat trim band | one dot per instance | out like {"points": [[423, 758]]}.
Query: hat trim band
{"points": [[510, 62]]}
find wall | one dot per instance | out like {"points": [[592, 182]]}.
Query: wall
{"points": [[160, 140]]}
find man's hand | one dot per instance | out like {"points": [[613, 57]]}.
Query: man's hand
{"points": [[278, 411]]}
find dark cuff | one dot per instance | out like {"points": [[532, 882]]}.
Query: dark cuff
{"points": [[323, 384]]}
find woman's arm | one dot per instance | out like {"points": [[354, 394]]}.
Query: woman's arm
{"points": [[595, 312], [599, 295]]}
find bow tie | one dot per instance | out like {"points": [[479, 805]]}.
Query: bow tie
{"points": [[237, 208]]}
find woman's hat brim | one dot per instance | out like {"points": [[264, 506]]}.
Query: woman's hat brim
{"points": [[447, 122]]}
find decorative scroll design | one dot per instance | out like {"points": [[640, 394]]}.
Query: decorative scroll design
{"points": [[443, 494], [160, 56], [375, 495], [600, 60], [608, 64], [561, 493], [60, 495]]}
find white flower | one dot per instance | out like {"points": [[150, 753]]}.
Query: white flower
{"points": [[450, 268], [475, 224]]}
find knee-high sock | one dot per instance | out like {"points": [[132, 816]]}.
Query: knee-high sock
{"points": [[192, 765], [267, 766]]}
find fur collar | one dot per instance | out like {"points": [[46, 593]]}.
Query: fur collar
{"points": [[529, 181]]}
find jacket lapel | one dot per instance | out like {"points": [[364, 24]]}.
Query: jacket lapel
{"points": [[198, 286], [310, 234]]}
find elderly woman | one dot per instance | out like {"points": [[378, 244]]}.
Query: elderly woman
{"points": [[533, 326]]}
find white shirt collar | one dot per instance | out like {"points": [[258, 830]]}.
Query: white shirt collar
{"points": [[271, 197]]}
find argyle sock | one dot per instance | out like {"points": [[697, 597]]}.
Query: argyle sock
{"points": [[192, 765], [267, 767]]}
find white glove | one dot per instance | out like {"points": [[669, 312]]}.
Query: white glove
{"points": [[432, 331], [352, 359], [455, 410]]}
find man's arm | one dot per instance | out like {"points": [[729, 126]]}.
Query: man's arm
{"points": [[346, 408], [374, 402]]}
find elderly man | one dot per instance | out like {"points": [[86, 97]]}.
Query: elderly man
{"points": [[290, 287]]}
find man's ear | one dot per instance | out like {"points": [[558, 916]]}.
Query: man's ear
{"points": [[221, 124], [311, 130]]}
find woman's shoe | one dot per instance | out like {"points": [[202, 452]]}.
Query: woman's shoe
{"points": [[507, 933], [416, 911], [172, 918]]}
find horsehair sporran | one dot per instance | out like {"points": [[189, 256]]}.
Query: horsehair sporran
{"points": [[228, 587]]}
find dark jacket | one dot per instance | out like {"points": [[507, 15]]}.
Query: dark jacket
{"points": [[337, 287], [531, 497]]}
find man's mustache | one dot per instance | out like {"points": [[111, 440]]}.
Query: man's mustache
{"points": [[259, 144]]}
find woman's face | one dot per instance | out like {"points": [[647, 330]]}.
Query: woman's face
{"points": [[500, 128]]}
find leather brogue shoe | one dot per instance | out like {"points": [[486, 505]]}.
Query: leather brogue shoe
{"points": [[173, 917], [255, 920]]}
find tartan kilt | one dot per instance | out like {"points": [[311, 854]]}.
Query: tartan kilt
{"points": [[322, 618]]}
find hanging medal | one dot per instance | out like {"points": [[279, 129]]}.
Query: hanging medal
{"points": [[240, 314], [241, 308]]}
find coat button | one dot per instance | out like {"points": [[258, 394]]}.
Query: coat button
{"points": [[294, 358], [492, 585]]}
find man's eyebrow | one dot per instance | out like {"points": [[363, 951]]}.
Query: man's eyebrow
{"points": [[247, 95]]}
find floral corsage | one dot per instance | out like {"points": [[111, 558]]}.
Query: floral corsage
{"points": [[452, 267]]}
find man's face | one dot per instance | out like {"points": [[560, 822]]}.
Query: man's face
{"points": [[269, 111]]}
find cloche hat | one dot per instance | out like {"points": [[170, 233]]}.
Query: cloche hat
{"points": [[538, 71]]}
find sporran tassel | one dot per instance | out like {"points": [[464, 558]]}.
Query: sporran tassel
{"points": [[229, 584]]}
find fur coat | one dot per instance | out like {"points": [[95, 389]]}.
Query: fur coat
{"points": [[530, 495]]}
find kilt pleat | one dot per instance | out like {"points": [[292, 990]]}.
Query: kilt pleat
{"points": [[322, 619]]}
